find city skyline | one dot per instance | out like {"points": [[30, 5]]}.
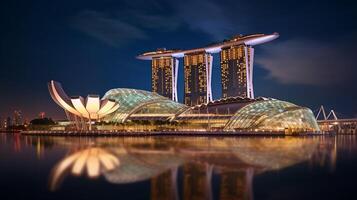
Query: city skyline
{"points": [[82, 44], [189, 99]]}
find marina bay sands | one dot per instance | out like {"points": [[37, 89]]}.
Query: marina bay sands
{"points": [[237, 58]]}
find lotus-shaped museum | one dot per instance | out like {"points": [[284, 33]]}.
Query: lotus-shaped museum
{"points": [[91, 108]]}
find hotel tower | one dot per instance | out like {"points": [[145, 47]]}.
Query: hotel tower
{"points": [[237, 71], [237, 57], [164, 76], [198, 70]]}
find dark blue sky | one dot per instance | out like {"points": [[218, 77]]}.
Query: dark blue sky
{"points": [[90, 47]]}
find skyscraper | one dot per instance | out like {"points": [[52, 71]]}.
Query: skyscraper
{"points": [[197, 74], [237, 56], [237, 71], [8, 122], [18, 120], [164, 76], [41, 115]]}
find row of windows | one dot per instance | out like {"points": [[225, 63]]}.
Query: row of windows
{"points": [[233, 72]]}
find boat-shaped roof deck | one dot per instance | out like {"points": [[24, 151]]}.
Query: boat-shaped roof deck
{"points": [[249, 40]]}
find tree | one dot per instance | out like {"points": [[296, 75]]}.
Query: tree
{"points": [[42, 121]]}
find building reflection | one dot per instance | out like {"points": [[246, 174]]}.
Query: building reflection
{"points": [[183, 168], [92, 162], [236, 185], [164, 186], [326, 152], [197, 181]]}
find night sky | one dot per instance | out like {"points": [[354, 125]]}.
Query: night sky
{"points": [[90, 47]]}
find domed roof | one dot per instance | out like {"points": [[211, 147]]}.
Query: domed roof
{"points": [[272, 115], [139, 101]]}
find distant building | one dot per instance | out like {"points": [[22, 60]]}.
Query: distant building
{"points": [[197, 74], [27, 122], [41, 115], [8, 122], [237, 71], [18, 119]]}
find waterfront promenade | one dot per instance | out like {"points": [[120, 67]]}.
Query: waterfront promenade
{"points": [[165, 133]]}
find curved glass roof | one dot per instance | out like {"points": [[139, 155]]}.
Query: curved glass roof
{"points": [[139, 101], [272, 115], [161, 107]]}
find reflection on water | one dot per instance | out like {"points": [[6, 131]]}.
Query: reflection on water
{"points": [[93, 160], [182, 167]]}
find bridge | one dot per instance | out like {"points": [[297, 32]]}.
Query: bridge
{"points": [[331, 123]]}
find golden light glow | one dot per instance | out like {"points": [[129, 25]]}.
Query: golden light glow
{"points": [[78, 104], [233, 71], [92, 160], [195, 76], [93, 104], [93, 108]]}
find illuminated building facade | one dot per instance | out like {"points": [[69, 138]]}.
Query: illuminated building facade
{"points": [[273, 115], [79, 110], [164, 76], [18, 120], [140, 104], [227, 114], [238, 110], [198, 70], [230, 114], [237, 71], [237, 56], [41, 115], [8, 122]]}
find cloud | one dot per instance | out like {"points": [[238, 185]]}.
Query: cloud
{"points": [[122, 27], [307, 62], [159, 22], [110, 30], [207, 17], [134, 23]]}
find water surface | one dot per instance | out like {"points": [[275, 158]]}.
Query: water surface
{"points": [[178, 167]]}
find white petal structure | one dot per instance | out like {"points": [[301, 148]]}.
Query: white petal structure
{"points": [[92, 108]]}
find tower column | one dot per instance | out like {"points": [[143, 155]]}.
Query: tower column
{"points": [[208, 62], [174, 81], [164, 76], [251, 61], [210, 78], [249, 58]]}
